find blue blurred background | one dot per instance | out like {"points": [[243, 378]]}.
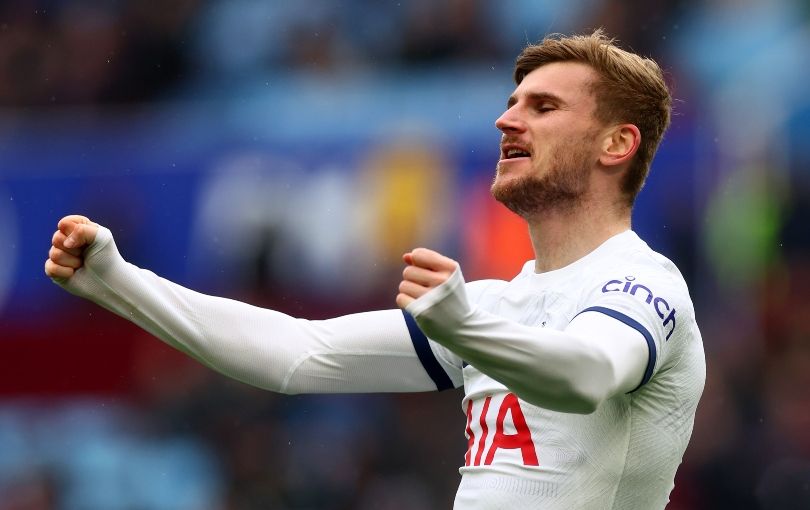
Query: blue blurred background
{"points": [[287, 153]]}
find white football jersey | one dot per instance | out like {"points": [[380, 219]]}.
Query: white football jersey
{"points": [[624, 455]]}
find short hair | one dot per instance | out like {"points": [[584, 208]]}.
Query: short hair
{"points": [[631, 89]]}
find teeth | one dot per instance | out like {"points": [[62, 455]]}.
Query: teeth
{"points": [[515, 152]]}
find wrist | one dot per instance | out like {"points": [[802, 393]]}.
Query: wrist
{"points": [[444, 309]]}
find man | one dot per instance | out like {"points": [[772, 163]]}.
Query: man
{"points": [[582, 375]]}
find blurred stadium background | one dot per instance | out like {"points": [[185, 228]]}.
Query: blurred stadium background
{"points": [[287, 153]]}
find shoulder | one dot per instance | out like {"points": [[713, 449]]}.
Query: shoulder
{"points": [[638, 282], [636, 269]]}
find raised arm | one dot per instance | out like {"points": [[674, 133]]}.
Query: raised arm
{"points": [[573, 370], [366, 352]]}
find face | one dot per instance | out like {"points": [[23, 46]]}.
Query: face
{"points": [[549, 143]]}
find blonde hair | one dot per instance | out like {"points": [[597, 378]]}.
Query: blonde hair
{"points": [[631, 89]]}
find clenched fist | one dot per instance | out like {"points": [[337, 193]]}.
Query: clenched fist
{"points": [[425, 270], [74, 233]]}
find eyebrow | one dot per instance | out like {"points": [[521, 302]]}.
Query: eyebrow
{"points": [[536, 97]]}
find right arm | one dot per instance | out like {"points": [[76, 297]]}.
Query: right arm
{"points": [[365, 352]]}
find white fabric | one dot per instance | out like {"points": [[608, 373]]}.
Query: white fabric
{"points": [[522, 333], [572, 370], [624, 455], [366, 352]]}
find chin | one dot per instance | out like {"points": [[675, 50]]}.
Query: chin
{"points": [[506, 185], [501, 183], [508, 170], [510, 175]]}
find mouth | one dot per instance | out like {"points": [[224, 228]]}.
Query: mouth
{"points": [[513, 152]]}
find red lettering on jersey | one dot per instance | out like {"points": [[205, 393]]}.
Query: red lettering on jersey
{"points": [[522, 438], [484, 430], [470, 435]]}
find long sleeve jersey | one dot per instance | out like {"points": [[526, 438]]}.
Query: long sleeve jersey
{"points": [[581, 384]]}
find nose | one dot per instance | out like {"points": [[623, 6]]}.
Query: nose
{"points": [[509, 122]]}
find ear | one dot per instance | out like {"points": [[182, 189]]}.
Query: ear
{"points": [[619, 144]]}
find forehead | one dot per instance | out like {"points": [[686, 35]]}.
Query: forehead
{"points": [[570, 81]]}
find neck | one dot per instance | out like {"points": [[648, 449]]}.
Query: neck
{"points": [[560, 238]]}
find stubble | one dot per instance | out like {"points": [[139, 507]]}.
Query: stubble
{"points": [[561, 187]]}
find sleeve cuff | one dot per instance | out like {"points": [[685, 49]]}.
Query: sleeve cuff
{"points": [[436, 294]]}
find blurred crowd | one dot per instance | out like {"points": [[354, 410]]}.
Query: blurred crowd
{"points": [[95, 52], [165, 433]]}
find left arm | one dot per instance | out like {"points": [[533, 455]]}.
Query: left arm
{"points": [[594, 358]]}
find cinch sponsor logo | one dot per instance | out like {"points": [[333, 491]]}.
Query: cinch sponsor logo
{"points": [[659, 304]]}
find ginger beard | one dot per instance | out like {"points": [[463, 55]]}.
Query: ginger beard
{"points": [[560, 186]]}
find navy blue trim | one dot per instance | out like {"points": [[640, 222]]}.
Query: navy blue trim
{"points": [[425, 354], [619, 316]]}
